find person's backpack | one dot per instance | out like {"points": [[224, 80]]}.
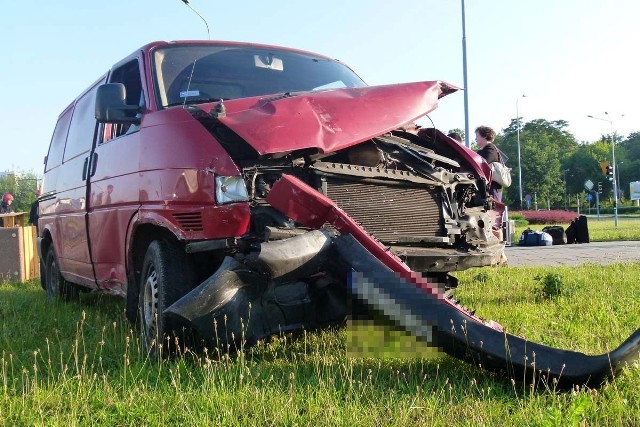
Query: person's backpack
{"points": [[535, 238], [557, 233]]}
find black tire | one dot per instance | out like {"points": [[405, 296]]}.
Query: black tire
{"points": [[55, 285], [43, 274], [164, 279]]}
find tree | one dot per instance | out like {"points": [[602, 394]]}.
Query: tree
{"points": [[584, 165], [544, 148], [22, 187], [458, 131], [628, 160]]}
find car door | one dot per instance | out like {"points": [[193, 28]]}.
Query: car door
{"points": [[113, 187]]}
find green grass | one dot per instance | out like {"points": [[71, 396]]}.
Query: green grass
{"points": [[80, 364], [600, 230]]}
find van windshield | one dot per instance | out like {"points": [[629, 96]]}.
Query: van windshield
{"points": [[201, 73]]}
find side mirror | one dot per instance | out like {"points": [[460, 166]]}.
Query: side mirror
{"points": [[111, 105]]}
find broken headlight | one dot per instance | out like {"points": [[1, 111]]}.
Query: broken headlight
{"points": [[230, 189]]}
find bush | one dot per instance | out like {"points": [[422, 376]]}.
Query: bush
{"points": [[622, 210], [551, 285], [547, 217], [519, 219]]}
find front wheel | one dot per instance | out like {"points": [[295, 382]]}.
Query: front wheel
{"points": [[164, 279], [55, 285]]}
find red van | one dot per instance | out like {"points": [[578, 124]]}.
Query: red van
{"points": [[202, 171]]}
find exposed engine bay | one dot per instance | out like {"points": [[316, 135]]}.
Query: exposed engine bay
{"points": [[410, 191]]}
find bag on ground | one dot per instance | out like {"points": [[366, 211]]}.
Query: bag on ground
{"points": [[557, 233], [535, 238], [501, 174], [578, 231]]}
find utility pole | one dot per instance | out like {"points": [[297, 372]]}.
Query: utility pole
{"points": [[613, 164], [464, 77]]}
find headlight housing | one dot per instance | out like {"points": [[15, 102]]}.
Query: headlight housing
{"points": [[230, 189]]}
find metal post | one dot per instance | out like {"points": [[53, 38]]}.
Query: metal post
{"points": [[564, 178], [618, 178], [518, 137], [466, 85], [613, 164]]}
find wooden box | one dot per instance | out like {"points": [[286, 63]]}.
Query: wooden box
{"points": [[18, 254]]}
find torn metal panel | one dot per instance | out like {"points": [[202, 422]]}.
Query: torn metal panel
{"points": [[331, 120], [281, 287]]}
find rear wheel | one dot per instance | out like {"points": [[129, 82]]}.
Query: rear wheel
{"points": [[164, 279], [55, 285], [43, 274]]}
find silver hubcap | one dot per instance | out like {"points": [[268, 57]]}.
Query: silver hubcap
{"points": [[54, 284], [150, 303]]}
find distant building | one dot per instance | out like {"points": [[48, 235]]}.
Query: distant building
{"points": [[9, 173]]}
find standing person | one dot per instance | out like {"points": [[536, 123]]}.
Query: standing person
{"points": [[33, 213], [488, 150], [456, 136], [5, 206]]}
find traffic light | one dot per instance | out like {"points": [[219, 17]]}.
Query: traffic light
{"points": [[599, 188], [610, 173]]}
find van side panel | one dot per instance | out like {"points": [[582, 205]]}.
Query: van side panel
{"points": [[54, 159], [70, 203]]}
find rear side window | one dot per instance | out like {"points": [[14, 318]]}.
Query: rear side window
{"points": [[58, 139], [83, 125]]}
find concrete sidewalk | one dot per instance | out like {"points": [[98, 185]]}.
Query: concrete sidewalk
{"points": [[572, 255]]}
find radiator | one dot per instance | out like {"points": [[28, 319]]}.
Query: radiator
{"points": [[393, 214]]}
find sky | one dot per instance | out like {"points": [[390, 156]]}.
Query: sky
{"points": [[571, 58]]}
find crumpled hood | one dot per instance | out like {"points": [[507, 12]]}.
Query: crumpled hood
{"points": [[330, 120]]}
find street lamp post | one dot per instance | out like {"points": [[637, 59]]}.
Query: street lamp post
{"points": [[618, 184], [519, 162], [464, 77], [613, 164], [564, 178]]}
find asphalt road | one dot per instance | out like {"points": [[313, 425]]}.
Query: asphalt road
{"points": [[596, 253]]}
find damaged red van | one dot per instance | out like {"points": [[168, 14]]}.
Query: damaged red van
{"points": [[196, 178]]}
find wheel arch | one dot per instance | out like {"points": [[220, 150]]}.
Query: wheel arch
{"points": [[140, 236]]}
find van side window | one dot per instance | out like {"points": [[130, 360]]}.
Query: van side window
{"points": [[54, 158], [129, 76], [83, 124]]}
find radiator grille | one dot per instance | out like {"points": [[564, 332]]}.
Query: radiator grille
{"points": [[390, 213], [189, 221]]}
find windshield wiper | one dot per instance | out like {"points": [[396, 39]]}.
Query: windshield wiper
{"points": [[193, 100]]}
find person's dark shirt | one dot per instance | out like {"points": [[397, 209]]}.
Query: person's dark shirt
{"points": [[5, 208], [489, 153], [33, 214]]}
